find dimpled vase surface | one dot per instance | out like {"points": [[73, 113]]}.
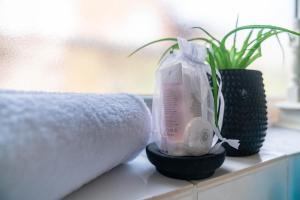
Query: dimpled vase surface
{"points": [[245, 114]]}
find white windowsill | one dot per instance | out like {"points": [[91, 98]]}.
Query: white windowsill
{"points": [[138, 179]]}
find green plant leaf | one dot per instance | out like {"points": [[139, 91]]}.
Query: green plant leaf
{"points": [[153, 42], [281, 47], [243, 50], [251, 27], [175, 46], [260, 34], [207, 33], [246, 47], [256, 46], [254, 57], [219, 56], [235, 34], [214, 83]]}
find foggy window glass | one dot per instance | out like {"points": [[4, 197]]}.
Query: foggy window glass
{"points": [[82, 45]]}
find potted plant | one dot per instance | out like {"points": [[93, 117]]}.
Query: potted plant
{"points": [[245, 114]]}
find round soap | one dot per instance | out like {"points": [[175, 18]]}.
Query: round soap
{"points": [[198, 136]]}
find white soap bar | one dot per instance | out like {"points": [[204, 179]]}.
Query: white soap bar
{"points": [[198, 136]]}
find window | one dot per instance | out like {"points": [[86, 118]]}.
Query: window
{"points": [[82, 45]]}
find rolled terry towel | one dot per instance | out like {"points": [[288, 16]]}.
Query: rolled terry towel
{"points": [[53, 143]]}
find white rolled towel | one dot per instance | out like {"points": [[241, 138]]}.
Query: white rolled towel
{"points": [[53, 143]]}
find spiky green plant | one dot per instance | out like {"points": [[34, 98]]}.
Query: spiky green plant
{"points": [[220, 56], [233, 57]]}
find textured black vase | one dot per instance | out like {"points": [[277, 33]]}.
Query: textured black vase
{"points": [[245, 115]]}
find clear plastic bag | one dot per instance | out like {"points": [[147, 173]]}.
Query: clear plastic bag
{"points": [[183, 104]]}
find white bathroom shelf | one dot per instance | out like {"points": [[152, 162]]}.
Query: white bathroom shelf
{"points": [[260, 176]]}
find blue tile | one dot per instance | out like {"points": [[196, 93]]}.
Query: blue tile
{"points": [[294, 177]]}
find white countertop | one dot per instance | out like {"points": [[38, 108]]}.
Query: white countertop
{"points": [[138, 179]]}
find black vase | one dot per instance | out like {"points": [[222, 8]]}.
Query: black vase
{"points": [[245, 115]]}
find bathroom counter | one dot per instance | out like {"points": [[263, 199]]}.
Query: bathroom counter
{"points": [[137, 179], [259, 176]]}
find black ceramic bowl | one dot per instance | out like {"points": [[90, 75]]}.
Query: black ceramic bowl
{"points": [[185, 167]]}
